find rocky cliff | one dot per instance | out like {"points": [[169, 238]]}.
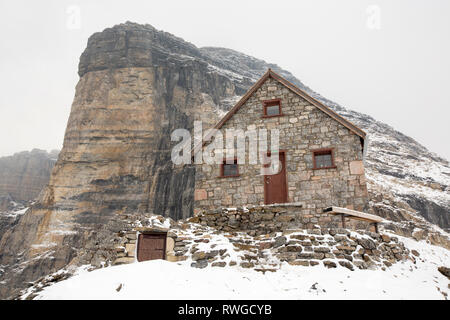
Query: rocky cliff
{"points": [[22, 177], [137, 85], [24, 174]]}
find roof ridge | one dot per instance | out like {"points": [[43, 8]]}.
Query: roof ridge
{"points": [[270, 73], [317, 103]]}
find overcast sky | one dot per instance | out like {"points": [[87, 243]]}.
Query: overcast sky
{"points": [[389, 59]]}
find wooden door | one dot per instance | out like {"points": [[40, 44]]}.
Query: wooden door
{"points": [[275, 187], [151, 246]]}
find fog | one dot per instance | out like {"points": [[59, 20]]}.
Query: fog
{"points": [[388, 59]]}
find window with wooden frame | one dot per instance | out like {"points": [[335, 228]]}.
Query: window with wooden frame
{"points": [[323, 159], [229, 168], [272, 108]]}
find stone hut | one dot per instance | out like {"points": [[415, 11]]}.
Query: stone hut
{"points": [[319, 174], [320, 155]]}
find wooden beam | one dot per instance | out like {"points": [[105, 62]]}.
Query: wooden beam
{"points": [[376, 227], [343, 220], [358, 215]]}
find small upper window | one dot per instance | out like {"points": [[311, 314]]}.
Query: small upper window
{"points": [[323, 159], [272, 108], [230, 169]]}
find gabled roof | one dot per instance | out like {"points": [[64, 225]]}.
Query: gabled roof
{"points": [[296, 90], [270, 74]]}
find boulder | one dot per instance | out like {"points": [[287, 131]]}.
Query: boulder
{"points": [[299, 236], [265, 245], [200, 264], [219, 264], [245, 264], [199, 255], [329, 264], [294, 248], [322, 249], [415, 252], [306, 255], [367, 243], [123, 260], [304, 263], [346, 264], [280, 241], [445, 271]]}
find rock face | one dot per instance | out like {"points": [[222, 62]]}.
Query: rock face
{"points": [[260, 220], [24, 174], [22, 177], [137, 85]]}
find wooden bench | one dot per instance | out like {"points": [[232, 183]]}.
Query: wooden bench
{"points": [[353, 214]]}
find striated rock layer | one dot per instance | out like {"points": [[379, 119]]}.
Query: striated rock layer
{"points": [[137, 85], [22, 177], [24, 174]]}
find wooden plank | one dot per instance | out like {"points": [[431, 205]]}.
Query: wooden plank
{"points": [[358, 215]]}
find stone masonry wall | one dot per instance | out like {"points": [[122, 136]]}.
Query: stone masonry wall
{"points": [[303, 128], [203, 241], [266, 219]]}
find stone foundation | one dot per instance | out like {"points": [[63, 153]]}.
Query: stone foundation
{"points": [[264, 237], [258, 220]]}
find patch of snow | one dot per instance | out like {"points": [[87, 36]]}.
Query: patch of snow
{"points": [[44, 245], [155, 222], [403, 280], [16, 213], [227, 73], [63, 232]]}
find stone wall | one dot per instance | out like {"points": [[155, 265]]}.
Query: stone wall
{"points": [[203, 242], [331, 248], [303, 128], [265, 219]]}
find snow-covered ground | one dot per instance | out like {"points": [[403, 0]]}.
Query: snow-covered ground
{"points": [[180, 281]]}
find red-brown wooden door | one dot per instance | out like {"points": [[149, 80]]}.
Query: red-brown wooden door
{"points": [[275, 188], [151, 246]]}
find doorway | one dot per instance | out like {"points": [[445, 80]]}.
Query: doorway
{"points": [[151, 246], [275, 186]]}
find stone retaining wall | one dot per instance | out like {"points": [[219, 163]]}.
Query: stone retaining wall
{"points": [[264, 237], [257, 220], [331, 248]]}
